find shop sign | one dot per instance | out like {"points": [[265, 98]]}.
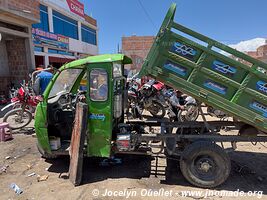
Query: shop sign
{"points": [[44, 38], [76, 7]]}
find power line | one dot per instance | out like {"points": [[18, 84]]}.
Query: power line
{"points": [[146, 13]]}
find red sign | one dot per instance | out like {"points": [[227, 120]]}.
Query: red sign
{"points": [[76, 7]]}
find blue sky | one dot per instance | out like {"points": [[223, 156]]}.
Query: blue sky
{"points": [[229, 21]]}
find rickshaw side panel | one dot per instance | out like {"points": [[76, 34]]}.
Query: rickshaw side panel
{"points": [[100, 115], [40, 125]]}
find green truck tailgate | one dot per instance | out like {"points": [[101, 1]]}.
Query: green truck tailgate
{"points": [[209, 71]]}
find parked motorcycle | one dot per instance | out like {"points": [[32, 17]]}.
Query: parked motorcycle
{"points": [[145, 97], [23, 106], [12, 92], [190, 111]]}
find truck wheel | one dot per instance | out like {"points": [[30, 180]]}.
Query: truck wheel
{"points": [[205, 164], [45, 154]]}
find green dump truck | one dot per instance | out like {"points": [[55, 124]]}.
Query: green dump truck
{"points": [[235, 84], [210, 71]]}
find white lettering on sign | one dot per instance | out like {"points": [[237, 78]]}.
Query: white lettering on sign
{"points": [[77, 9]]}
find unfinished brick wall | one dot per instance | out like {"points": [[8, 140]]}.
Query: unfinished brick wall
{"points": [[17, 60], [25, 8], [137, 47], [260, 53], [4, 85], [22, 13]]}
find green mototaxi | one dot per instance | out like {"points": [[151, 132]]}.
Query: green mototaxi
{"points": [[102, 78]]}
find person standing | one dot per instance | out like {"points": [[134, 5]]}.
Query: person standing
{"points": [[42, 81]]}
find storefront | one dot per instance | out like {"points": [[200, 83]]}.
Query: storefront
{"points": [[50, 46], [65, 33]]}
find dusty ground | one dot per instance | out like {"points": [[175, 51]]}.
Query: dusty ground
{"points": [[249, 173]]}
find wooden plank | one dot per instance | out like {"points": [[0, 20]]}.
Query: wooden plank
{"points": [[77, 144]]}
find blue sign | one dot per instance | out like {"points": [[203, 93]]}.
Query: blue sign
{"points": [[41, 37], [215, 87], [262, 86], [259, 107], [93, 116], [183, 50], [223, 68], [175, 68]]}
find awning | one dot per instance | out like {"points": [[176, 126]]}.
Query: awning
{"points": [[59, 60]]}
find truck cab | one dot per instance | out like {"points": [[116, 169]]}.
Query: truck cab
{"points": [[102, 82]]}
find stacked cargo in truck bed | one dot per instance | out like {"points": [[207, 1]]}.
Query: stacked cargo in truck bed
{"points": [[209, 71]]}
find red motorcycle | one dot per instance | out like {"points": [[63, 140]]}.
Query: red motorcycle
{"points": [[145, 97], [23, 106]]}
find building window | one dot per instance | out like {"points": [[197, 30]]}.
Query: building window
{"points": [[54, 51], [43, 25], [38, 49], [65, 53], [99, 85], [64, 25], [88, 35]]}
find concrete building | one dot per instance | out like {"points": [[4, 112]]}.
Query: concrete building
{"points": [[16, 48], [136, 47], [65, 33]]}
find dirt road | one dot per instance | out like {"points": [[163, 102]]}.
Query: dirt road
{"points": [[132, 178]]}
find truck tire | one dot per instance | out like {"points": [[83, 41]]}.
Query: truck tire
{"points": [[45, 154], [205, 164]]}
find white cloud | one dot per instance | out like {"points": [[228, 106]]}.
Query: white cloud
{"points": [[248, 45], [245, 46]]}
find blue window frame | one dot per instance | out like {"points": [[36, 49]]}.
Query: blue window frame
{"points": [[88, 35], [38, 49], [43, 25], [64, 25], [60, 52], [65, 53], [52, 51]]}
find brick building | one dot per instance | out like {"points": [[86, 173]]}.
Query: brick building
{"points": [[16, 47], [136, 47], [260, 53]]}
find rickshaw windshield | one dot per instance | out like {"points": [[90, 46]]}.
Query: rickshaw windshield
{"points": [[65, 81]]}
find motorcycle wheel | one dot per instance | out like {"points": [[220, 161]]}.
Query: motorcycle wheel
{"points": [[27, 107], [18, 118], [190, 113], [157, 109]]}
